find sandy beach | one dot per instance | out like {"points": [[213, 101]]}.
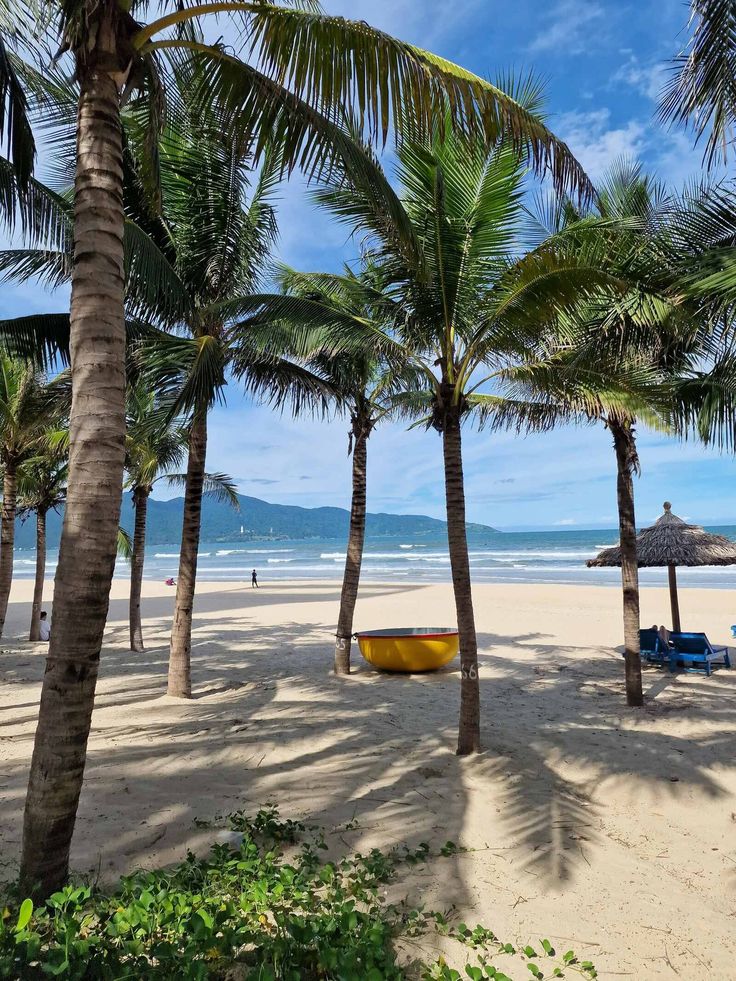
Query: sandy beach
{"points": [[606, 829]]}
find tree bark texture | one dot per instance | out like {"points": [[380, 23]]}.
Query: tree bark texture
{"points": [[140, 505], [7, 538], [97, 448], [35, 630], [180, 672], [469, 727], [627, 463], [356, 538]]}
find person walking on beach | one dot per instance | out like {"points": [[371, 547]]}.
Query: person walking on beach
{"points": [[254, 580]]}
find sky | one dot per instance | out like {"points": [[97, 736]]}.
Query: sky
{"points": [[603, 62]]}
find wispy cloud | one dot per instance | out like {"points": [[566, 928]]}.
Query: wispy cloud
{"points": [[596, 143], [568, 27], [647, 79]]}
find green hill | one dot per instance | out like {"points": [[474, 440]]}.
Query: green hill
{"points": [[258, 519]]}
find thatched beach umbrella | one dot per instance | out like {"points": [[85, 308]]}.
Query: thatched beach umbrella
{"points": [[671, 542]]}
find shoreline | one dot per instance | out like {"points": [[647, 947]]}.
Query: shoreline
{"points": [[265, 583]]}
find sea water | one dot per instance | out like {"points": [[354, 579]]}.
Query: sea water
{"points": [[509, 557]]}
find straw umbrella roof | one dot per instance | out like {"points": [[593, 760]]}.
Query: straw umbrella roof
{"points": [[671, 541]]}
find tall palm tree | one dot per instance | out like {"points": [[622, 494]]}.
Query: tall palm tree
{"points": [[156, 445], [616, 355], [443, 243], [701, 90], [364, 379], [27, 407], [42, 488]]}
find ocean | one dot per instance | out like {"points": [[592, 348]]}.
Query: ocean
{"points": [[509, 557]]}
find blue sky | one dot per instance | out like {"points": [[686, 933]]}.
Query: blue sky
{"points": [[603, 63]]}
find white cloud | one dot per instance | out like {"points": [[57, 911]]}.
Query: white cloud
{"points": [[595, 143], [568, 27], [565, 522], [645, 79]]}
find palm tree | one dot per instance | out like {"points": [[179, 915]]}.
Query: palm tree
{"points": [[156, 443], [42, 488], [191, 258], [26, 408], [701, 91], [443, 244], [364, 381], [616, 355]]}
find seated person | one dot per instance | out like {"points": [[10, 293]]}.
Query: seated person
{"points": [[45, 626]]}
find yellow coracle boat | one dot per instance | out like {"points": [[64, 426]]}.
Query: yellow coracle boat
{"points": [[409, 648]]}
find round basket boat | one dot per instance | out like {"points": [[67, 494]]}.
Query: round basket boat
{"points": [[409, 648]]}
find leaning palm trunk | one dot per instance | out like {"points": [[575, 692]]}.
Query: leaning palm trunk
{"points": [[140, 503], [7, 539], [97, 450], [468, 740], [35, 631], [627, 463], [180, 674], [356, 537]]}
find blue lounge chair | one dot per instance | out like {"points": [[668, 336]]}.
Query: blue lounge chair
{"points": [[696, 650], [650, 644]]}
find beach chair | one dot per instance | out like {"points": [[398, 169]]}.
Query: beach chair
{"points": [[651, 647], [695, 649]]}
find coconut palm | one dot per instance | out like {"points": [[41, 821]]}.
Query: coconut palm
{"points": [[191, 257], [619, 354], [42, 488], [701, 91], [27, 406], [443, 244], [156, 444], [364, 379]]}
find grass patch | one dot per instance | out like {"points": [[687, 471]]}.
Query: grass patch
{"points": [[267, 906]]}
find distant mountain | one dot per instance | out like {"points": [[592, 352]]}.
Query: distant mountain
{"points": [[258, 519]]}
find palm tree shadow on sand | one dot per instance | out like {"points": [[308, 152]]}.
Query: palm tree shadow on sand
{"points": [[371, 756]]}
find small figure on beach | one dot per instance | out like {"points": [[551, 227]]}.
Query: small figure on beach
{"points": [[44, 626], [171, 581], [254, 580]]}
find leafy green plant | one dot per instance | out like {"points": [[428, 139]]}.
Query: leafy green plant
{"points": [[274, 907]]}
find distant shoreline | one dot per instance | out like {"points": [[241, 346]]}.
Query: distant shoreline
{"points": [[396, 584]]}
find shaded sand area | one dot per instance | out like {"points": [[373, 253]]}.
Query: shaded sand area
{"points": [[606, 829]]}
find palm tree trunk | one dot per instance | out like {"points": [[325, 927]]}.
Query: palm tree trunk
{"points": [[97, 445], [468, 740], [627, 463], [140, 503], [7, 539], [180, 674], [356, 537], [35, 631]]}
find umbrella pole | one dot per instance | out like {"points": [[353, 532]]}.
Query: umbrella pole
{"points": [[674, 602]]}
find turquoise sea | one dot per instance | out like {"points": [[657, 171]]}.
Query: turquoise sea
{"points": [[532, 557]]}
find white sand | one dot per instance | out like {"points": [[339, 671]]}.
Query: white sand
{"points": [[606, 829]]}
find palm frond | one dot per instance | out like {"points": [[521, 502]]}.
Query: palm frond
{"points": [[701, 91]]}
